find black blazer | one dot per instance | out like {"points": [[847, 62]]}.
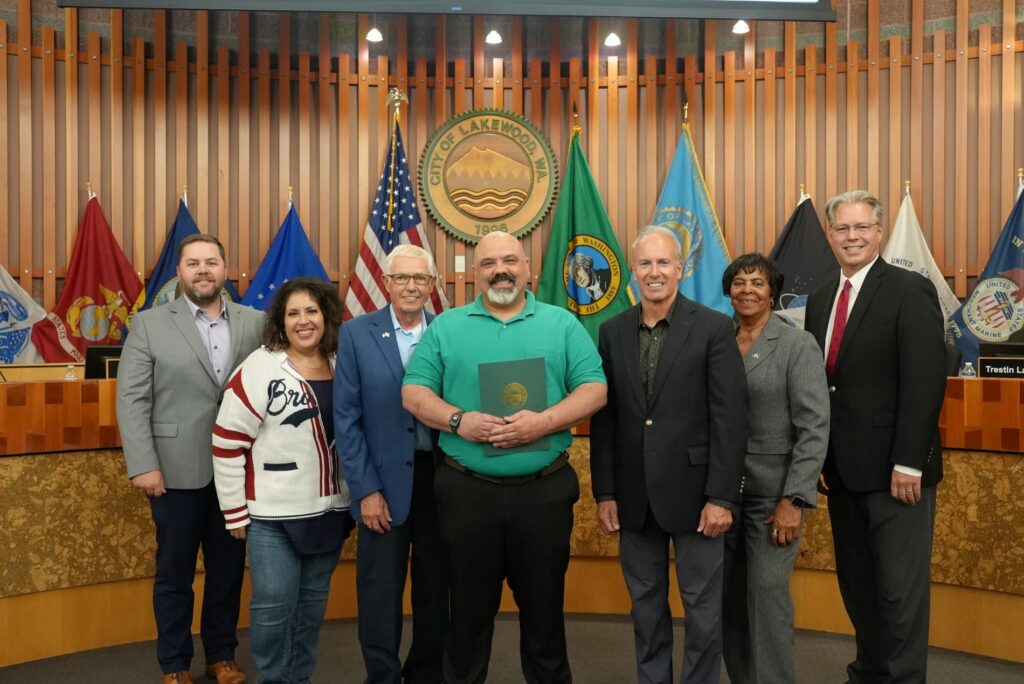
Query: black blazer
{"points": [[689, 444], [889, 380]]}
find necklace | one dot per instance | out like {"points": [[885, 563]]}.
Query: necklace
{"points": [[752, 334], [312, 367]]}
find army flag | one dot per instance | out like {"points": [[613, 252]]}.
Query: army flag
{"points": [[18, 313], [907, 249], [584, 270], [100, 290], [805, 260], [290, 256], [994, 311], [685, 208], [163, 281]]}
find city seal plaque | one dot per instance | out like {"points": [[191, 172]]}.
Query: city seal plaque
{"points": [[488, 170]]}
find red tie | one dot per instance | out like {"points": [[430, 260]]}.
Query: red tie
{"points": [[838, 328]]}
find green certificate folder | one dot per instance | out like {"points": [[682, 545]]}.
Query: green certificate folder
{"points": [[507, 387]]}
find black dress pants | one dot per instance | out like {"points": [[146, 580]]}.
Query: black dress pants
{"points": [[381, 564], [187, 519], [519, 532]]}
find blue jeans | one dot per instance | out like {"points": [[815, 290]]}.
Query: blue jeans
{"points": [[289, 597]]}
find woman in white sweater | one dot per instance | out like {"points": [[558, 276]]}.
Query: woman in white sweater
{"points": [[277, 476]]}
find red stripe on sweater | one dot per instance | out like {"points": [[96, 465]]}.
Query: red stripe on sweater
{"points": [[235, 385]]}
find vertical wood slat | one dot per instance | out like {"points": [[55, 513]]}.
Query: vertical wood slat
{"points": [[789, 114], [895, 145], [160, 224], [517, 65], [305, 145], [555, 110], [49, 159], [770, 161], [383, 136], [690, 87], [632, 124], [479, 68], [984, 147], [917, 103], [458, 107], [25, 154], [729, 179], [831, 142], [4, 142], [139, 171], [417, 125], [363, 122], [324, 209], [960, 188], [224, 178], [440, 114], [94, 87], [811, 150], [116, 138], [181, 134], [852, 117], [749, 142], [265, 154], [874, 122], [611, 143], [344, 175], [498, 91], [593, 128], [279, 205], [1009, 105], [710, 67], [244, 196], [938, 165], [538, 239], [651, 129], [203, 150], [671, 93]]}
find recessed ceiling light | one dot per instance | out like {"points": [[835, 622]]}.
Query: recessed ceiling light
{"points": [[612, 40], [493, 38]]}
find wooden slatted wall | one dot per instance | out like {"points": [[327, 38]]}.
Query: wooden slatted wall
{"points": [[239, 127]]}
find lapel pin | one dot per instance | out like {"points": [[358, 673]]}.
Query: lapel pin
{"points": [[757, 356], [385, 335]]}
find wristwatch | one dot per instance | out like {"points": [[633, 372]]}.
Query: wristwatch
{"points": [[453, 422], [798, 501]]}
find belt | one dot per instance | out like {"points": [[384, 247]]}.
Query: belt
{"points": [[560, 462]]}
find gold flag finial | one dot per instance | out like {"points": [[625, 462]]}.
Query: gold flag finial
{"points": [[906, 187], [291, 194], [576, 128], [1020, 172], [803, 189], [396, 96], [686, 113], [88, 188]]}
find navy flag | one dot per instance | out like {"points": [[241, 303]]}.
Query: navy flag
{"points": [[994, 312], [290, 256], [163, 281], [805, 260]]}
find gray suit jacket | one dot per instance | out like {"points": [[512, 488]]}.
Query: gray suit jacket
{"points": [[789, 413], [168, 393]]}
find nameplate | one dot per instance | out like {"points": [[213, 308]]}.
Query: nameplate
{"points": [[1001, 367]]}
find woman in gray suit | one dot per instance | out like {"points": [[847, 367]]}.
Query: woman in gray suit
{"points": [[789, 419]]}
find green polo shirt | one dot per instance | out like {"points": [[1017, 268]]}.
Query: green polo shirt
{"points": [[459, 340]]}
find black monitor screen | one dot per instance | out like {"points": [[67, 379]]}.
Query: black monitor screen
{"points": [[101, 361], [1001, 349]]}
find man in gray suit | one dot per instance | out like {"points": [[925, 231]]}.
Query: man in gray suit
{"points": [[170, 379]]}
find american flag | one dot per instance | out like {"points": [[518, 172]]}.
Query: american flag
{"points": [[394, 220]]}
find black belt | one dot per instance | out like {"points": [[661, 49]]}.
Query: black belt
{"points": [[560, 462]]}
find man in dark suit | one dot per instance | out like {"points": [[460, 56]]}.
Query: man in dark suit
{"points": [[388, 460], [882, 333], [169, 384], [666, 457]]}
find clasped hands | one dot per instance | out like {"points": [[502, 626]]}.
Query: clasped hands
{"points": [[714, 519], [516, 430]]}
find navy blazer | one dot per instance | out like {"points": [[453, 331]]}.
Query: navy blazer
{"points": [[374, 434]]}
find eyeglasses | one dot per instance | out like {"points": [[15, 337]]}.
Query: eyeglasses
{"points": [[402, 279], [858, 228]]}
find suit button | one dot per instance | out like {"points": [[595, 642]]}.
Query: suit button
{"points": [[831, 389], [409, 463], [648, 422], [408, 429]]}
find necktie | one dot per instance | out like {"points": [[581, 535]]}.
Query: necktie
{"points": [[838, 328]]}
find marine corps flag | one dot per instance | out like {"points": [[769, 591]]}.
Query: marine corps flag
{"points": [[584, 270], [100, 290], [994, 312]]}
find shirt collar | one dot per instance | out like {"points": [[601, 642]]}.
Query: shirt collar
{"points": [[194, 308], [477, 308], [857, 279], [668, 314], [398, 326]]}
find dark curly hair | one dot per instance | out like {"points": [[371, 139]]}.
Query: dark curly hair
{"points": [[326, 297], [753, 262]]}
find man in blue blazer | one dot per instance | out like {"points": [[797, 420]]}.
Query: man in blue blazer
{"points": [[388, 460]]}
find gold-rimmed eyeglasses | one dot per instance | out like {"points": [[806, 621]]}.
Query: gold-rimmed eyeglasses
{"points": [[858, 228], [402, 279]]}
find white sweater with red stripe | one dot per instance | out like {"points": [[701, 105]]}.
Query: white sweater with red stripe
{"points": [[271, 459]]}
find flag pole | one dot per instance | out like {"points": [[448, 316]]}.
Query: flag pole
{"points": [[576, 128], [291, 195], [906, 187], [395, 99], [88, 189], [184, 195]]}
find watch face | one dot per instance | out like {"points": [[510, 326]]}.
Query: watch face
{"points": [[454, 420]]}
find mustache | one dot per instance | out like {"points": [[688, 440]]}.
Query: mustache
{"points": [[501, 277]]}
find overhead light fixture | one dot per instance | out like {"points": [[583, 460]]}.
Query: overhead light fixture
{"points": [[612, 40], [741, 27], [374, 35], [493, 38]]}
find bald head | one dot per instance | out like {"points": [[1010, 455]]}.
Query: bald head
{"points": [[502, 270]]}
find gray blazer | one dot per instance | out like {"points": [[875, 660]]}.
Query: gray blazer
{"points": [[168, 393], [789, 413]]}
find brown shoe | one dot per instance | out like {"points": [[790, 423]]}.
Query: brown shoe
{"points": [[225, 672], [182, 677]]}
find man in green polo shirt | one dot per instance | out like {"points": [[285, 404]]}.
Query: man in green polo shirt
{"points": [[505, 507]]}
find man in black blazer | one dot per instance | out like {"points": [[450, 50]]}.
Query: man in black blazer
{"points": [[666, 457], [883, 342]]}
